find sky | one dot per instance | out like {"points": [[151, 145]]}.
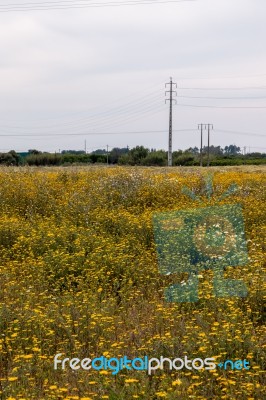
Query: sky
{"points": [[93, 72]]}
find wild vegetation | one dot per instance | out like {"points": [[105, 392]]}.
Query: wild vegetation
{"points": [[79, 276]]}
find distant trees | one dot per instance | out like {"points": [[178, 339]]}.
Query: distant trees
{"points": [[186, 158], [193, 150], [154, 157], [43, 159], [135, 156], [10, 158], [73, 152], [215, 150], [99, 151], [78, 157], [33, 151], [232, 150], [116, 153], [138, 155]]}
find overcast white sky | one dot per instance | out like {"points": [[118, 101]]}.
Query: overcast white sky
{"points": [[99, 73]]}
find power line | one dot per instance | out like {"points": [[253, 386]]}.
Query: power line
{"points": [[129, 112], [71, 2], [209, 78], [133, 106], [96, 120], [64, 5], [124, 133], [114, 116], [256, 147], [219, 88], [224, 98], [100, 120], [90, 133], [241, 133], [142, 114], [113, 121], [121, 98], [107, 125], [224, 107], [131, 118]]}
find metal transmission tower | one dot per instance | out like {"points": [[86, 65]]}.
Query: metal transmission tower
{"points": [[170, 119], [201, 127]]}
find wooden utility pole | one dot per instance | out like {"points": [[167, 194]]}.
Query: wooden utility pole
{"points": [[210, 126], [201, 127]]}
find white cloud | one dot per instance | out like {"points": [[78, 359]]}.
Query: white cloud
{"points": [[59, 62]]}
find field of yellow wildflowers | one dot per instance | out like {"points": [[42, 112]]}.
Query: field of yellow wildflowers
{"points": [[79, 276]]}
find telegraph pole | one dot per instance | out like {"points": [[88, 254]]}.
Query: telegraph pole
{"points": [[210, 126], [170, 119], [201, 127], [201, 134]]}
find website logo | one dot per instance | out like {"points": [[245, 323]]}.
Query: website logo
{"points": [[201, 238], [145, 363]]}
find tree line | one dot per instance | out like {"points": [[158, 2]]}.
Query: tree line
{"points": [[139, 155]]}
